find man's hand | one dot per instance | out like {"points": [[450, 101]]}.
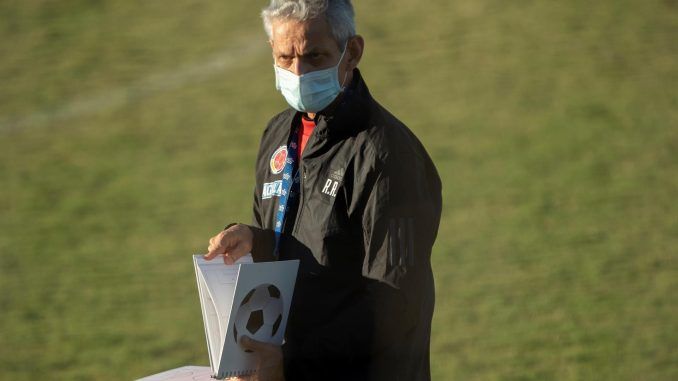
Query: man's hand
{"points": [[269, 359], [231, 244]]}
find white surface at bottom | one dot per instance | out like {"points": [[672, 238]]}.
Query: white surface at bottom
{"points": [[185, 373]]}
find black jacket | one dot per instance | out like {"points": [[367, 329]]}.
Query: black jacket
{"points": [[363, 228]]}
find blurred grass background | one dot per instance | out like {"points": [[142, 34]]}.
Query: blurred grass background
{"points": [[128, 132]]}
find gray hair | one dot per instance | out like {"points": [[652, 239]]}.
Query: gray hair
{"points": [[338, 13]]}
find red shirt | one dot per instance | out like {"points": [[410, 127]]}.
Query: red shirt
{"points": [[307, 126]]}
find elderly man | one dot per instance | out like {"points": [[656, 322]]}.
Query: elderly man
{"points": [[345, 187]]}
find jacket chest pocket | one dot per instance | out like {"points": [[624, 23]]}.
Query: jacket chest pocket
{"points": [[324, 210]]}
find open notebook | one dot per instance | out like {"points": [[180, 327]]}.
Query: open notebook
{"points": [[247, 298]]}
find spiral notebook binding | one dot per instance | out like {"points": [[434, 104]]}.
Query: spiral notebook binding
{"points": [[235, 373]]}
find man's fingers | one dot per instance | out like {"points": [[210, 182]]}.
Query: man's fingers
{"points": [[214, 247], [231, 244], [224, 252], [211, 254], [218, 245]]}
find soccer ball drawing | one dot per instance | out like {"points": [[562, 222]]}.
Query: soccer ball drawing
{"points": [[259, 314]]}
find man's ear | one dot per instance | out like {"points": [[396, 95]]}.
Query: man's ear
{"points": [[356, 46]]}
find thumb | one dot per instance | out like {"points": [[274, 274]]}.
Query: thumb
{"points": [[235, 253]]}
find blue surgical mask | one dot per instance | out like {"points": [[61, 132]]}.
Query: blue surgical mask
{"points": [[310, 92]]}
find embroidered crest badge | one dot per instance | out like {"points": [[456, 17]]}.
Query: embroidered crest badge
{"points": [[278, 160]]}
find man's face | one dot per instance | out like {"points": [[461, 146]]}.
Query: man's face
{"points": [[306, 46]]}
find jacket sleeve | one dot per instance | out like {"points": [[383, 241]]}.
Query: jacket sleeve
{"points": [[388, 326]]}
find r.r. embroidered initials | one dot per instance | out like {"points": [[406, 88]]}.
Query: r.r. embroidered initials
{"points": [[331, 187]]}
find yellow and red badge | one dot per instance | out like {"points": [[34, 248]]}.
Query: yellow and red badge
{"points": [[278, 160]]}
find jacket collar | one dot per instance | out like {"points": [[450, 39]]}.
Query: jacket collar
{"points": [[349, 113]]}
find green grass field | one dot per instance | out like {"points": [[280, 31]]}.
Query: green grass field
{"points": [[128, 132]]}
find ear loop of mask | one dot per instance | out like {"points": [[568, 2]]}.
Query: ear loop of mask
{"points": [[343, 82]]}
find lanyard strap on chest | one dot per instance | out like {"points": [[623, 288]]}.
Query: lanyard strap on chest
{"points": [[290, 183]]}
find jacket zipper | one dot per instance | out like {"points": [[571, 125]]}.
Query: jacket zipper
{"points": [[302, 178]]}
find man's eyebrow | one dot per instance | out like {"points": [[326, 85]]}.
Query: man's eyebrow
{"points": [[310, 51]]}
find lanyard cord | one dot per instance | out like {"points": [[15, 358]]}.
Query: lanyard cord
{"points": [[289, 183]]}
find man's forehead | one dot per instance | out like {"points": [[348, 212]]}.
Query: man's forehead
{"points": [[307, 35]]}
